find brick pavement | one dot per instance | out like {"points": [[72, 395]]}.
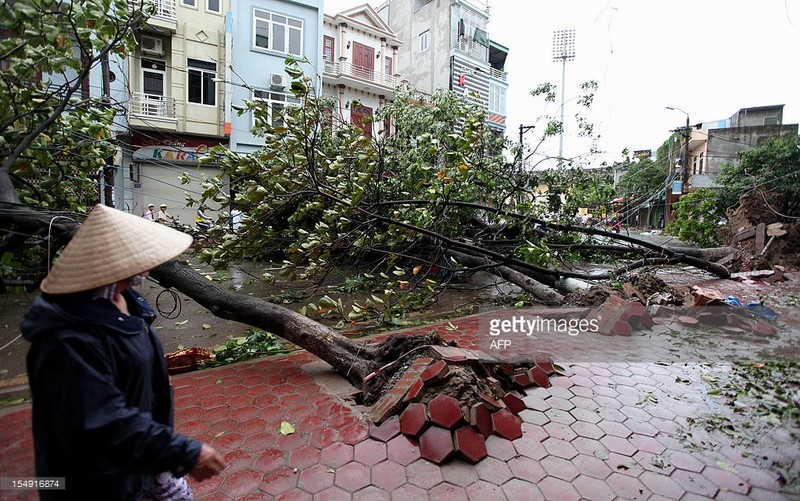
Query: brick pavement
{"points": [[618, 425]]}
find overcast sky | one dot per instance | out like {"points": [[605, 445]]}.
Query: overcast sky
{"points": [[708, 57]]}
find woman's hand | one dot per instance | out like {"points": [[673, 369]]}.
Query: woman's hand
{"points": [[209, 463]]}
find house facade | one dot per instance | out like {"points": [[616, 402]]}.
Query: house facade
{"points": [[359, 54], [174, 106], [261, 34], [713, 143], [197, 60], [447, 46]]}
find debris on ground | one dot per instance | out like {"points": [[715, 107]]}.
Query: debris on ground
{"points": [[452, 399], [187, 360], [593, 296], [760, 238]]}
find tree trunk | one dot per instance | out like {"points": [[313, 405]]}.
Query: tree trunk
{"points": [[526, 283]]}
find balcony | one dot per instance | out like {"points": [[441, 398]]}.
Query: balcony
{"points": [[163, 14], [498, 74], [147, 110], [360, 78]]}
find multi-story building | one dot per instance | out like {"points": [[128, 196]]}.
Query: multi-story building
{"points": [[359, 53], [197, 60], [722, 141], [262, 34], [175, 105], [447, 46]]}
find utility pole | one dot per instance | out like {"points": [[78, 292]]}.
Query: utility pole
{"points": [[687, 134], [109, 170], [563, 50], [522, 130]]}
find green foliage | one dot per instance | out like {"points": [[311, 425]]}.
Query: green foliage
{"points": [[772, 168], [642, 178], [51, 137], [254, 344], [697, 218], [318, 196]]}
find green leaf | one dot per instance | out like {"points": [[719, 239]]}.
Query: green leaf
{"points": [[286, 428]]}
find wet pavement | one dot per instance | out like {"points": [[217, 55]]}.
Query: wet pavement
{"points": [[634, 417]]}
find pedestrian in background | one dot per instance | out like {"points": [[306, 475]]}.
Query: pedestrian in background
{"points": [[102, 401], [163, 216], [150, 214]]}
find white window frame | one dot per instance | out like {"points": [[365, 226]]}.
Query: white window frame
{"points": [[209, 9], [189, 4], [272, 22], [497, 99], [152, 104], [203, 72], [276, 102], [424, 40]]}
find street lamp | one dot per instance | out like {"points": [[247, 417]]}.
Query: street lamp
{"points": [[563, 50], [686, 135]]}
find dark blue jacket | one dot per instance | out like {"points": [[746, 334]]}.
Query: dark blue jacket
{"points": [[102, 403]]}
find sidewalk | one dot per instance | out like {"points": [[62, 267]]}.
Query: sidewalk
{"points": [[628, 421]]}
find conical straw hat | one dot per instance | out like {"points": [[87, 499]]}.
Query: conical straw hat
{"points": [[110, 246]]}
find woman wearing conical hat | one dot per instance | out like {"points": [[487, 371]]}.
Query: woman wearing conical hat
{"points": [[102, 402]]}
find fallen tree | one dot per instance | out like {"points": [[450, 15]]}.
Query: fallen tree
{"points": [[433, 195]]}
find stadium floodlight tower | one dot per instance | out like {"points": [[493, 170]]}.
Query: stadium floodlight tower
{"points": [[563, 50]]}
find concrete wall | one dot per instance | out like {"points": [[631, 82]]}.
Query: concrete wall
{"points": [[725, 145], [757, 116]]}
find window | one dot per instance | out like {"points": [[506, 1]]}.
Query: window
{"points": [[700, 165], [327, 49], [189, 3], [153, 86], [276, 103], [277, 32], [201, 88], [497, 99], [387, 66], [212, 6], [424, 40]]}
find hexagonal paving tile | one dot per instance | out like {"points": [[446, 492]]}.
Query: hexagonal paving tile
{"points": [[424, 474], [445, 411], [436, 445], [559, 468], [469, 444], [539, 377], [352, 476], [414, 420], [506, 424], [481, 418], [514, 403], [369, 452], [388, 475], [386, 431]]}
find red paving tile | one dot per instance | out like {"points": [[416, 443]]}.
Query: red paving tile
{"points": [[436, 445], [445, 411], [469, 444], [506, 424], [586, 435]]}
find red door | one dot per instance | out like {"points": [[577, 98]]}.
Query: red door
{"points": [[363, 61], [357, 116]]}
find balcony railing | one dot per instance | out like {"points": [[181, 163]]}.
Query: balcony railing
{"points": [[498, 74], [161, 9], [150, 106], [360, 73]]}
